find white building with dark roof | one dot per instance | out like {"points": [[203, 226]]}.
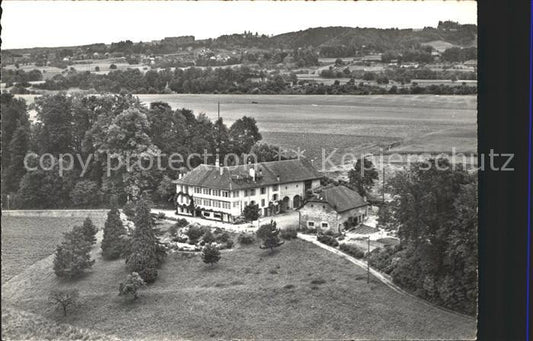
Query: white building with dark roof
{"points": [[221, 193]]}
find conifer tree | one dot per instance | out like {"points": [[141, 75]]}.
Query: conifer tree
{"points": [[146, 253], [89, 231], [210, 254], [72, 257], [114, 231]]}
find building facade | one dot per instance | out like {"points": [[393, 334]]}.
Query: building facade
{"points": [[222, 193], [331, 207]]}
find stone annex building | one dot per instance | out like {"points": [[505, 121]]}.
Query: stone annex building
{"points": [[333, 208], [221, 193]]}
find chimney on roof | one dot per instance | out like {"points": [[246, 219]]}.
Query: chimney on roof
{"points": [[277, 178], [364, 198], [217, 161], [252, 172], [221, 170], [260, 172], [180, 175]]}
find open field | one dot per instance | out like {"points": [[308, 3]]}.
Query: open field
{"points": [[300, 291], [422, 123], [429, 121], [26, 240]]}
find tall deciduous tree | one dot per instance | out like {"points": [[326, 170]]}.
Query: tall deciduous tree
{"points": [[363, 175], [15, 140], [16, 151], [435, 206], [244, 134], [42, 188], [55, 115], [128, 139], [64, 298], [251, 212]]}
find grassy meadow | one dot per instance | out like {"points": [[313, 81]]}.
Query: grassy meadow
{"points": [[25, 240], [299, 291]]}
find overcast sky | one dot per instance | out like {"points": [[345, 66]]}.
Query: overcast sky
{"points": [[68, 23]]}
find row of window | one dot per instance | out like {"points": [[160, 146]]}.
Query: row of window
{"points": [[312, 224], [212, 203], [227, 194], [213, 192]]}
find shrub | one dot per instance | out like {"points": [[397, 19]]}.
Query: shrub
{"points": [[210, 254], [160, 216], [131, 285], [328, 240], [112, 67], [64, 298], [208, 237], [229, 244], [194, 233], [352, 250], [381, 259], [288, 234], [318, 281], [182, 222], [251, 212], [72, 257], [245, 239], [222, 238], [173, 230]]}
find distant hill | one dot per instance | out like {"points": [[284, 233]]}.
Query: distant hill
{"points": [[380, 39], [349, 38]]}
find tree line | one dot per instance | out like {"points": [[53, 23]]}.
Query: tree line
{"points": [[435, 213], [240, 80], [94, 128]]}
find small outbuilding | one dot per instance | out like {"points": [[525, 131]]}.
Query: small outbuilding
{"points": [[333, 208]]}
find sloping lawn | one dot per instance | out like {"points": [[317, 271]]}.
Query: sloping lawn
{"points": [[25, 240], [300, 291]]}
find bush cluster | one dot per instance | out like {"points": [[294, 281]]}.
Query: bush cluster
{"points": [[381, 259], [245, 239], [194, 233], [352, 250], [328, 240]]}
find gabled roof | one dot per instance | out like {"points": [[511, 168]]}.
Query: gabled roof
{"points": [[340, 198], [238, 177]]}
